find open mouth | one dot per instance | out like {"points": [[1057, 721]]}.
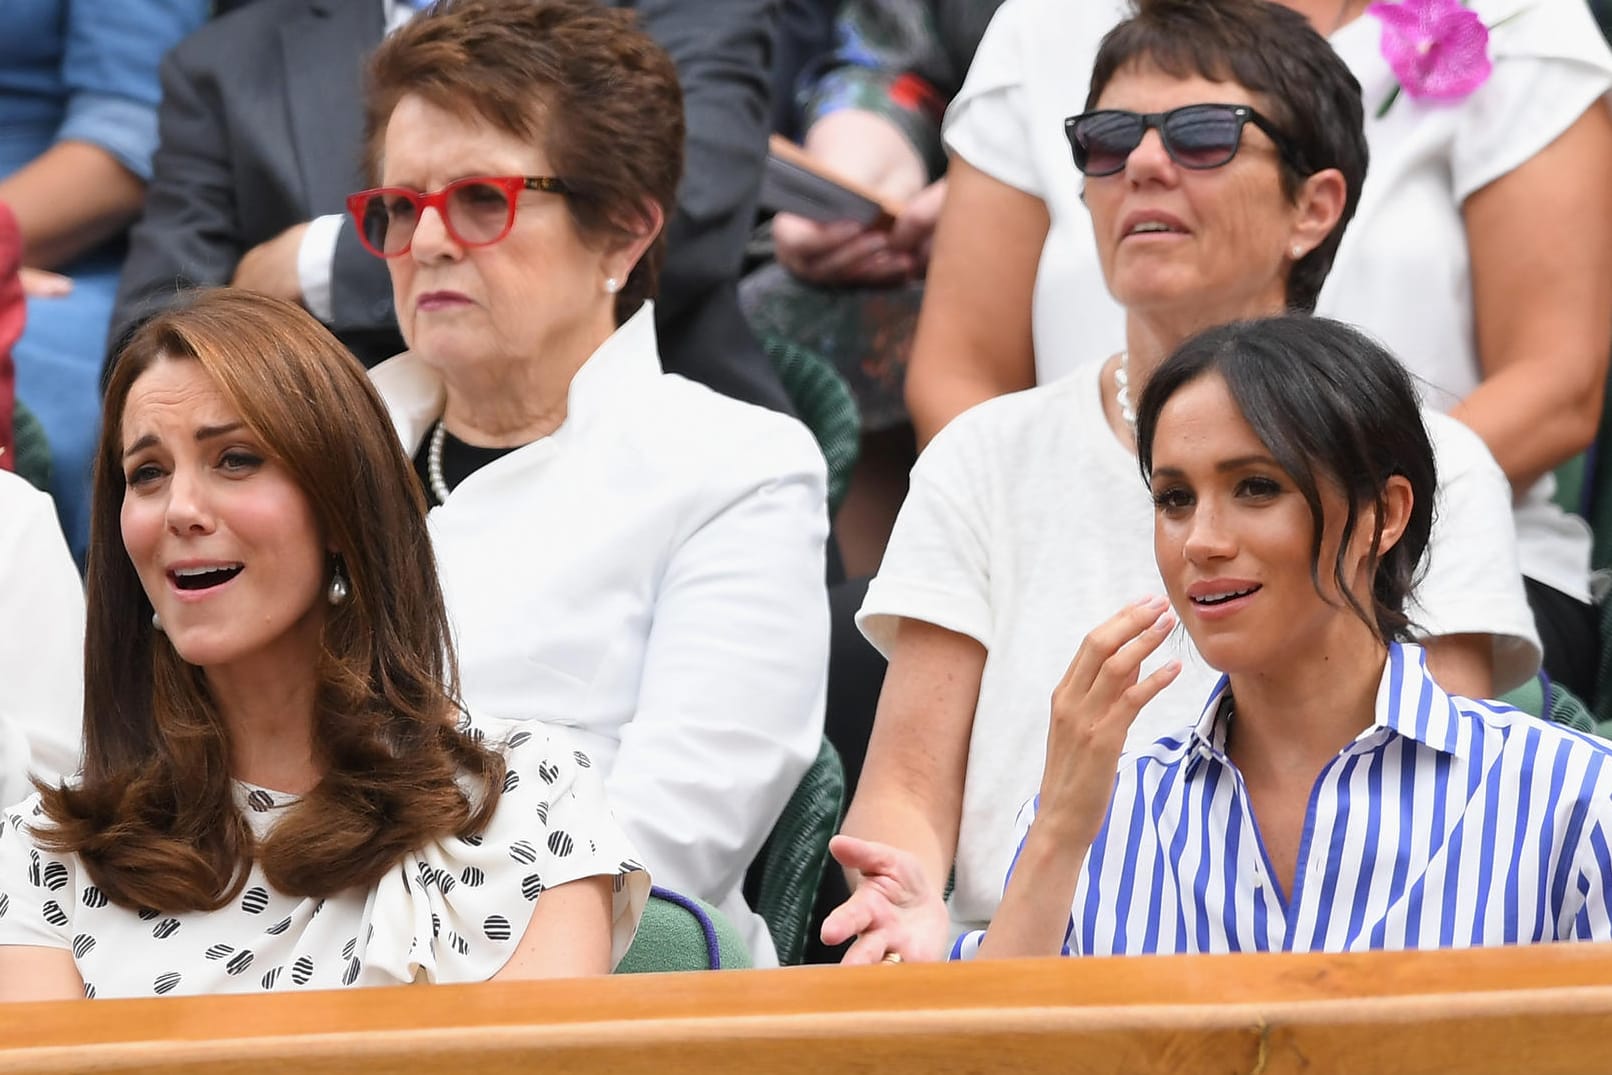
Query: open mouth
{"points": [[203, 578], [1210, 600], [1154, 227]]}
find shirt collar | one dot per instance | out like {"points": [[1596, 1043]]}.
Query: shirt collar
{"points": [[629, 357], [1408, 704]]}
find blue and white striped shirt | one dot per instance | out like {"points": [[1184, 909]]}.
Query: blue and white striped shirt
{"points": [[1448, 823]]}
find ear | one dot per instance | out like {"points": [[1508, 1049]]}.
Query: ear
{"points": [[624, 258], [1397, 502], [1317, 207]]}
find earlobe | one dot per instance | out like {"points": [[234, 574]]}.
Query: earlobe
{"points": [[1321, 201], [643, 231]]}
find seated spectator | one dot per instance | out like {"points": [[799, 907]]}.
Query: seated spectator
{"points": [[78, 105], [41, 599], [623, 551], [261, 135], [1482, 256], [280, 789], [1332, 797], [1214, 198]]}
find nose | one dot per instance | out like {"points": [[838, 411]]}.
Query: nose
{"points": [[1149, 160], [1208, 537], [432, 241], [188, 510]]}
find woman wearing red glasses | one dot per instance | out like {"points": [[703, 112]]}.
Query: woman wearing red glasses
{"points": [[1026, 524], [623, 552]]}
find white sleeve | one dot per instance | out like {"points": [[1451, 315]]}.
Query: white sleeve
{"points": [[1550, 64], [1471, 581], [34, 885], [41, 667], [315, 256], [987, 122], [730, 703], [936, 566]]}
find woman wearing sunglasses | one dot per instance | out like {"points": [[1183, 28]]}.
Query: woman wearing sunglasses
{"points": [[1481, 255], [623, 552], [1331, 797], [1025, 526]]}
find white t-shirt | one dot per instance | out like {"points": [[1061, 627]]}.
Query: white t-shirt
{"points": [[1403, 271], [42, 655], [453, 911], [650, 576], [1028, 524]]}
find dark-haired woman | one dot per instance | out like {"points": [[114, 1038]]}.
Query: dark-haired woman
{"points": [[279, 788], [1332, 797], [623, 551], [1024, 526]]}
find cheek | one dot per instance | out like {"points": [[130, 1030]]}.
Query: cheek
{"points": [[140, 522]]}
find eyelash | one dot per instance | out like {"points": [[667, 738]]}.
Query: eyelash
{"points": [[231, 461], [1175, 497]]}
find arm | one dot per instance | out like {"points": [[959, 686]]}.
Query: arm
{"points": [[974, 338], [70, 199], [1092, 709], [1462, 664], [730, 699], [1541, 245], [722, 50], [910, 797], [28, 973], [568, 936]]}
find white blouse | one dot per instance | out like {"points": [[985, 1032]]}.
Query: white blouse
{"points": [[452, 911], [649, 576], [1403, 272]]}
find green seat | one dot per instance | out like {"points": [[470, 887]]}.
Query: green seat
{"points": [[824, 402], [1565, 707], [32, 463], [790, 866], [679, 933]]}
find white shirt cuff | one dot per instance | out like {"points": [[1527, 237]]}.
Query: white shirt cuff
{"points": [[315, 257]]}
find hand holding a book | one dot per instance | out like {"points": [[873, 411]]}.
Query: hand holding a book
{"points": [[871, 152]]}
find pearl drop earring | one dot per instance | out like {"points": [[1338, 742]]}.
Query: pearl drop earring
{"points": [[156, 622], [338, 587], [612, 285]]}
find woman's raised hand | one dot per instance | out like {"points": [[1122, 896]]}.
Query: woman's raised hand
{"points": [[1093, 708], [894, 909]]}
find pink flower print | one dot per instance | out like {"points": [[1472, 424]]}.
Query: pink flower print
{"points": [[1439, 49]]}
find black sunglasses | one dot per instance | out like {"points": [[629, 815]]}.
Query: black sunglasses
{"points": [[1195, 136]]}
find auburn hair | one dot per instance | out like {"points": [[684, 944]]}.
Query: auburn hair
{"points": [[153, 817], [578, 80]]}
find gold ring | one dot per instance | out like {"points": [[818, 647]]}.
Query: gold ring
{"points": [[891, 957]]}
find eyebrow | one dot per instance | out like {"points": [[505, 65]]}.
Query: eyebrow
{"points": [[204, 433], [1240, 463]]}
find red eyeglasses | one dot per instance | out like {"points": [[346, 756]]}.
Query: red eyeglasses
{"points": [[477, 211]]}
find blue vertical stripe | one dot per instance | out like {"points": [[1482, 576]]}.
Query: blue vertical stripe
{"points": [[1525, 791], [1368, 864]]}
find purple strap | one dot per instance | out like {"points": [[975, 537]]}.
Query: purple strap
{"points": [[713, 950]]}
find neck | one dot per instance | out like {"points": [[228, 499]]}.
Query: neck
{"points": [[506, 404], [1327, 16], [1293, 719], [267, 709]]}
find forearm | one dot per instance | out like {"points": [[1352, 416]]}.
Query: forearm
{"points": [[1533, 418], [902, 820], [69, 199], [1033, 918]]}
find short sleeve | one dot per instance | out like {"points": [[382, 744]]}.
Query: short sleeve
{"points": [[936, 567], [1550, 65], [1471, 582], [986, 124], [34, 885], [456, 910]]}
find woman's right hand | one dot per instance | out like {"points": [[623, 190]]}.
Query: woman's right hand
{"points": [[1093, 708], [895, 908]]}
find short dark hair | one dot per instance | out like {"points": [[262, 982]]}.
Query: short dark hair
{"points": [[578, 79], [153, 816], [1268, 49], [1329, 404]]}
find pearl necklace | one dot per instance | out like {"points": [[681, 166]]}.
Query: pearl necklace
{"points": [[1122, 391], [433, 463]]}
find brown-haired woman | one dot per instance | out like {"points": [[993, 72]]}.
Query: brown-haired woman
{"points": [[279, 789], [622, 551]]}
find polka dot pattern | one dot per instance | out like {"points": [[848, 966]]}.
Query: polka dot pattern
{"points": [[453, 911]]}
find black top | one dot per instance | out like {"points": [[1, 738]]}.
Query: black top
{"points": [[459, 461]]}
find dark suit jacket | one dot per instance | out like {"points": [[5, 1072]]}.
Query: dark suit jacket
{"points": [[261, 126]]}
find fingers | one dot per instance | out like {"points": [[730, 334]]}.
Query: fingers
{"points": [[843, 253], [854, 916], [869, 948], [40, 284], [915, 226], [865, 856], [1105, 640]]}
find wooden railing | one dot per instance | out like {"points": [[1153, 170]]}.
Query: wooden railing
{"points": [[1534, 1010]]}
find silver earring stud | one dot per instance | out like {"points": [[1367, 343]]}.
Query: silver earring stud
{"points": [[612, 285], [339, 590], [1298, 252], [156, 622]]}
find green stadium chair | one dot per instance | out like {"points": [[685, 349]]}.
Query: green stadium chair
{"points": [[790, 866], [824, 402], [681, 933]]}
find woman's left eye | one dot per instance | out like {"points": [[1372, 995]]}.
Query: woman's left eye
{"points": [[1259, 487], [237, 461]]}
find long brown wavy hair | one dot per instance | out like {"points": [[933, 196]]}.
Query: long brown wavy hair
{"points": [[153, 817]]}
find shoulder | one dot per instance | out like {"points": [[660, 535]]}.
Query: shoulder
{"points": [[1572, 762], [240, 36], [1459, 453], [685, 423], [25, 512], [1043, 413]]}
